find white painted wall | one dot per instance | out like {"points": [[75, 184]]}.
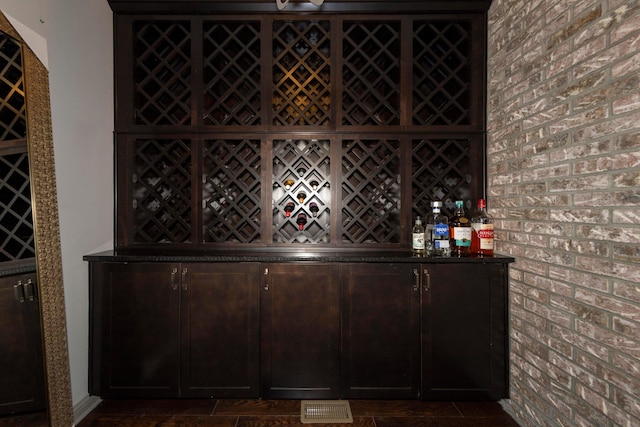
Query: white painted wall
{"points": [[79, 40]]}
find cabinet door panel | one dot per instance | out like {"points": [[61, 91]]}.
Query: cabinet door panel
{"points": [[381, 331], [219, 323], [300, 331], [464, 332], [139, 328], [21, 363]]}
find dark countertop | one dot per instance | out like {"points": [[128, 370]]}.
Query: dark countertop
{"points": [[281, 256], [17, 267]]}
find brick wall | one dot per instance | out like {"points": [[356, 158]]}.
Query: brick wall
{"points": [[564, 186]]}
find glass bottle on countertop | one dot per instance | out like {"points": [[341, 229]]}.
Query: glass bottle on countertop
{"points": [[418, 238], [482, 231], [438, 232], [460, 232]]}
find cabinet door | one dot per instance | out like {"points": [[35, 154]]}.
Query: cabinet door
{"points": [[464, 350], [21, 362], [135, 329], [381, 331], [219, 330], [300, 331]]}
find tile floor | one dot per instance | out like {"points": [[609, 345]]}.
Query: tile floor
{"points": [[263, 413]]}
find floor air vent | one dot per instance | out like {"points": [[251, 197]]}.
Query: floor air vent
{"points": [[325, 411]]}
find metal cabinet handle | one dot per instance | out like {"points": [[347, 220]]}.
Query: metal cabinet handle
{"points": [[18, 291], [427, 283], [266, 281], [185, 283], [174, 282], [416, 280], [30, 290]]}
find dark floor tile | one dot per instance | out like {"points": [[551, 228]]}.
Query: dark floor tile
{"points": [[38, 419], [442, 422], [402, 408], [159, 420], [157, 406], [481, 409], [294, 421], [257, 407]]}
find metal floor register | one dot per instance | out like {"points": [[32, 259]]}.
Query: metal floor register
{"points": [[325, 411]]}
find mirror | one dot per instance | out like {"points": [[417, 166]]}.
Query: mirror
{"points": [[46, 231]]}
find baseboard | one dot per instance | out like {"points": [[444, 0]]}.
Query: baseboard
{"points": [[84, 407], [506, 405]]}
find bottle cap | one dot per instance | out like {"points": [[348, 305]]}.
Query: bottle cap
{"points": [[459, 203], [436, 204], [482, 203], [418, 221]]}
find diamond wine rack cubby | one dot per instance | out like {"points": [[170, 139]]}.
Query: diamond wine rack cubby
{"points": [[251, 130], [301, 73], [301, 191]]}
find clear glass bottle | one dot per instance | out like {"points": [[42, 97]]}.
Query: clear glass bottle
{"points": [[460, 232], [482, 234], [418, 238], [438, 232]]}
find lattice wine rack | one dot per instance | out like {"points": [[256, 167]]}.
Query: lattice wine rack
{"points": [[161, 191], [285, 130], [371, 191], [301, 191], [162, 73], [370, 73], [231, 191], [301, 73]]}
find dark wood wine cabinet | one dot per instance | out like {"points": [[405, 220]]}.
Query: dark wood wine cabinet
{"points": [[269, 167]]}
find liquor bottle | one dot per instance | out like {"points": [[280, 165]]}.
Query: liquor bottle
{"points": [[313, 207], [438, 232], [482, 235], [418, 238], [301, 221], [288, 208], [301, 196], [460, 232]]}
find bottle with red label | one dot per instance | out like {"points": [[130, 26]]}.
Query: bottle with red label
{"points": [[482, 236]]}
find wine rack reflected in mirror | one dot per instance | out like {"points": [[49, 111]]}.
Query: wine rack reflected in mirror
{"points": [[16, 220]]}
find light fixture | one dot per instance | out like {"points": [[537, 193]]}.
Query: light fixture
{"points": [[283, 3]]}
